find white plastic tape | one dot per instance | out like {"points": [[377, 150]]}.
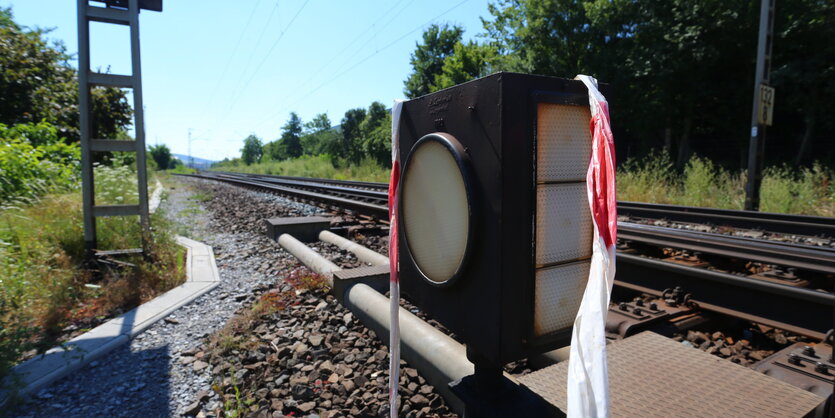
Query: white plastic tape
{"points": [[588, 383]]}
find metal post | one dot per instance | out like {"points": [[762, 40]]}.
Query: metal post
{"points": [[139, 118], [190, 158], [114, 13], [756, 147], [87, 186]]}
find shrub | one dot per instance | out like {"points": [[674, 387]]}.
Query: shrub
{"points": [[702, 183], [34, 161]]}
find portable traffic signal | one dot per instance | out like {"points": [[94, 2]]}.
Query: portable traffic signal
{"points": [[495, 230]]}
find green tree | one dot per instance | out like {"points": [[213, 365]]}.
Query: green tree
{"points": [[376, 134], [467, 62], [428, 58], [252, 150], [803, 68], [677, 67], [352, 135], [161, 155], [542, 36], [34, 161], [291, 134], [319, 123], [274, 150], [377, 142], [38, 84], [289, 144], [318, 136], [689, 63]]}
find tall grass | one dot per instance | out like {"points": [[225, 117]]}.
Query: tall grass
{"points": [[320, 166], [43, 276], [808, 191]]}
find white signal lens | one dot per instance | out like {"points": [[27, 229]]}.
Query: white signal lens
{"points": [[435, 210]]}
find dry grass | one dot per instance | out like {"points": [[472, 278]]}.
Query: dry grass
{"points": [[806, 191], [235, 335], [320, 166], [46, 286]]}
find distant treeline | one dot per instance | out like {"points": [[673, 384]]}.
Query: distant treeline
{"points": [[681, 75], [363, 134]]}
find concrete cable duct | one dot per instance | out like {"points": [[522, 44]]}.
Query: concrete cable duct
{"points": [[439, 358], [363, 254]]}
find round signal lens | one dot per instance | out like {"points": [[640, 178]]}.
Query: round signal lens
{"points": [[435, 207]]}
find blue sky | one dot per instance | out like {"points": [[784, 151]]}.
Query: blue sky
{"points": [[228, 69]]}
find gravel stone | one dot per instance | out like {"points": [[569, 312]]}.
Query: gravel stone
{"points": [[314, 360]]}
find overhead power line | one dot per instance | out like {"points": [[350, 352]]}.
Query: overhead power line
{"points": [[330, 80], [346, 49], [239, 91], [229, 61]]}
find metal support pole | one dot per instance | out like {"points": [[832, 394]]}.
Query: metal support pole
{"points": [[87, 186], [756, 147], [139, 120], [86, 79]]}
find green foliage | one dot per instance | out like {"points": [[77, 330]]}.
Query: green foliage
{"points": [[681, 70], [161, 155], [38, 84], [289, 144], [252, 150], [352, 134], [42, 270], [428, 59], [376, 142], [467, 62], [115, 185], [290, 136], [320, 166], [646, 180], [180, 168], [112, 113], [703, 183], [786, 190], [319, 137], [34, 161]]}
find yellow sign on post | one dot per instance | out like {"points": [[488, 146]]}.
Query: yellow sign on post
{"points": [[766, 110]]}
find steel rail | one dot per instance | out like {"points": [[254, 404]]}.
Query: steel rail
{"points": [[772, 222], [356, 205], [808, 258], [803, 311], [378, 196], [816, 259], [348, 183]]}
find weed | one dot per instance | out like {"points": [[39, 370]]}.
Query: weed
{"points": [[320, 166], [43, 279], [202, 196], [304, 279], [702, 183], [234, 408]]}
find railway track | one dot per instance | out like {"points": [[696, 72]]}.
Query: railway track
{"points": [[814, 226], [790, 287]]}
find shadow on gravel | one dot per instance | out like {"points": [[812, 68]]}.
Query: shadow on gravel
{"points": [[124, 382]]}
